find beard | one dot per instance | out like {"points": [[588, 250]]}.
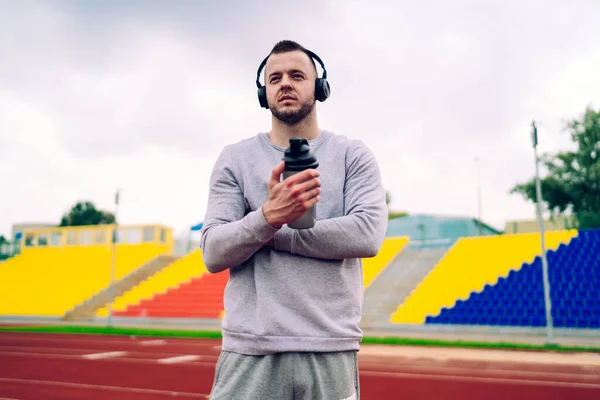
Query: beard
{"points": [[292, 117]]}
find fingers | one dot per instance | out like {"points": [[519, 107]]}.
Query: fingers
{"points": [[303, 183], [276, 174], [302, 176], [293, 196], [297, 183], [311, 202], [310, 195], [306, 186]]}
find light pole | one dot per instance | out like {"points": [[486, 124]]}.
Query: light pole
{"points": [[113, 261], [538, 189]]}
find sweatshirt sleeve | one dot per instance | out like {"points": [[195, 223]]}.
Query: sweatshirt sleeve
{"points": [[230, 234], [361, 231]]}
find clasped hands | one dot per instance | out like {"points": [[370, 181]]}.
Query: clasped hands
{"points": [[289, 199]]}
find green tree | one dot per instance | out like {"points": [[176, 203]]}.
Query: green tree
{"points": [[86, 213], [573, 179], [3, 239], [392, 214]]}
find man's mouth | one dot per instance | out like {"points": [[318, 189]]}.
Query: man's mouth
{"points": [[286, 97]]}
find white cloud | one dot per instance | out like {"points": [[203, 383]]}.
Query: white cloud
{"points": [[96, 97], [158, 185]]}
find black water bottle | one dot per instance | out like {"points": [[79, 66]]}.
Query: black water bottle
{"points": [[297, 158]]}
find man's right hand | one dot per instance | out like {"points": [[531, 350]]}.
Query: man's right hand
{"points": [[291, 198]]}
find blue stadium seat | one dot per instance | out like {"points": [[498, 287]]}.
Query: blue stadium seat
{"points": [[537, 321], [518, 299]]}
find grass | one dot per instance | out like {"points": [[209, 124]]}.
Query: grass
{"points": [[474, 344], [189, 333], [103, 330]]}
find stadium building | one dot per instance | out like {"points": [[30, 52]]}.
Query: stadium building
{"points": [[432, 272]]}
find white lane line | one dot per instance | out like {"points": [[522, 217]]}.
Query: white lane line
{"points": [[109, 354], [152, 343], [506, 381], [178, 359], [104, 387], [208, 361]]}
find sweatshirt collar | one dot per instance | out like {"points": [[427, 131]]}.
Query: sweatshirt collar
{"points": [[313, 143]]}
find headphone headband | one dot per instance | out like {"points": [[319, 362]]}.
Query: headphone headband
{"points": [[312, 54]]}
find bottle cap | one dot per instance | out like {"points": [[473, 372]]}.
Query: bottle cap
{"points": [[298, 156]]}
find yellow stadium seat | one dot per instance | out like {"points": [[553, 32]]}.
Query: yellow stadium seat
{"points": [[49, 279]]}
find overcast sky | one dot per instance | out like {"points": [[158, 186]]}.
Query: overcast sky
{"points": [[143, 95]]}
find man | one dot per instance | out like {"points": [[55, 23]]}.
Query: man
{"points": [[293, 302]]}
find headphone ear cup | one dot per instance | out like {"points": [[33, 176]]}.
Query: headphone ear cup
{"points": [[322, 89], [262, 97]]}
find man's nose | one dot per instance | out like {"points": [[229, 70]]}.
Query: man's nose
{"points": [[285, 82]]}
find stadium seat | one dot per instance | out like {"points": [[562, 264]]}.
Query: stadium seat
{"points": [[200, 297], [59, 268], [471, 266], [518, 298]]}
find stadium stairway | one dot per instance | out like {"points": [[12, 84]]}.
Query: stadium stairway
{"points": [[470, 265], [518, 299], [89, 308], [396, 282], [373, 267]]}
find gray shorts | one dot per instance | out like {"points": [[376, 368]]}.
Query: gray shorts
{"points": [[287, 376]]}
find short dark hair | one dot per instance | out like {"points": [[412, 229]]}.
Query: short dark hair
{"points": [[284, 46]]}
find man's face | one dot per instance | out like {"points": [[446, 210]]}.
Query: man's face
{"points": [[290, 82]]}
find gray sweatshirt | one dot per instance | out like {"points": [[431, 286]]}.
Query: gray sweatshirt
{"points": [[306, 292]]}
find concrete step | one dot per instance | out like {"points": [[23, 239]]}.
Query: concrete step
{"points": [[88, 308], [397, 282]]}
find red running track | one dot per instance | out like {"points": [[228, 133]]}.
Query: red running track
{"points": [[61, 366]]}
